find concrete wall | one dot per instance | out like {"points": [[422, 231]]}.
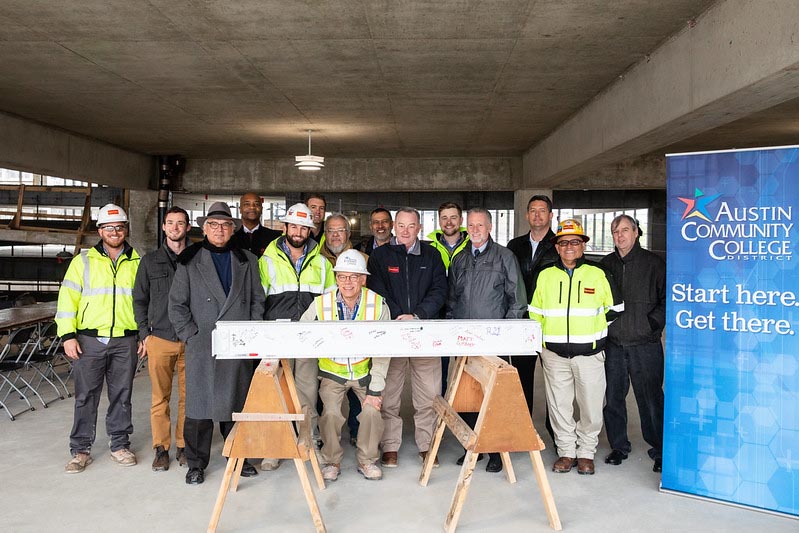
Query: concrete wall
{"points": [[278, 176], [33, 147]]}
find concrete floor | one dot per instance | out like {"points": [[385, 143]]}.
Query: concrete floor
{"points": [[40, 497]]}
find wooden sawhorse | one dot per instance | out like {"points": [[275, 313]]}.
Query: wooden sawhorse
{"points": [[265, 429], [490, 386]]}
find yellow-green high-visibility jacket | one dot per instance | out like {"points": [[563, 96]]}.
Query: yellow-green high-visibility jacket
{"points": [[96, 297], [343, 369], [574, 311], [287, 294], [436, 239]]}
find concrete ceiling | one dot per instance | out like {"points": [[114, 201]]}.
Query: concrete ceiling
{"points": [[372, 78]]}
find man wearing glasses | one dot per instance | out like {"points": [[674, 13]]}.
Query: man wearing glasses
{"points": [[574, 300], [365, 376], [95, 320], [215, 280]]}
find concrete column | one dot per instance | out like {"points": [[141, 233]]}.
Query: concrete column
{"points": [[143, 216], [520, 199]]}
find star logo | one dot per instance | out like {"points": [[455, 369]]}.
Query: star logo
{"points": [[697, 206]]}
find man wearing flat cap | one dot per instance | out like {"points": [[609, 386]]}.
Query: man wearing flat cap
{"points": [[215, 280]]}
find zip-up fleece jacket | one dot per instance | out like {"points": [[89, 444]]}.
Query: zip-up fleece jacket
{"points": [[151, 294], [412, 282], [575, 310], [642, 278], [287, 294]]}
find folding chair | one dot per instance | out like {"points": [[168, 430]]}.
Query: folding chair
{"points": [[10, 366], [40, 360]]}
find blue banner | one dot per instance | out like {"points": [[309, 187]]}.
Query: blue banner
{"points": [[731, 424]]}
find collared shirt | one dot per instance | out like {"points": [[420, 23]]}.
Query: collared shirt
{"points": [[248, 230], [344, 312], [481, 249], [451, 248], [298, 264], [533, 244]]}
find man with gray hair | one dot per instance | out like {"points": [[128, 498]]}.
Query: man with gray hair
{"points": [[410, 275], [634, 352], [337, 237]]}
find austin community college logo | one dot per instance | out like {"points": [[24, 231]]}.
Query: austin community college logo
{"points": [[752, 233]]}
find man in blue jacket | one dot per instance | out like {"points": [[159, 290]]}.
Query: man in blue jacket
{"points": [[410, 276]]}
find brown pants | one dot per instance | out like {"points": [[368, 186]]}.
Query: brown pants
{"points": [[164, 358], [331, 422]]}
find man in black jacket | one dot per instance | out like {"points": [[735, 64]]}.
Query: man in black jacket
{"points": [[165, 352], [381, 225], [410, 276], [634, 352], [535, 251], [252, 235]]}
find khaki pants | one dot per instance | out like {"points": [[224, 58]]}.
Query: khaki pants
{"points": [[306, 380], [332, 420], [164, 358], [580, 378], [425, 386]]}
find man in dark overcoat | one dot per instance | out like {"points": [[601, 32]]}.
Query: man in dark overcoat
{"points": [[215, 280]]}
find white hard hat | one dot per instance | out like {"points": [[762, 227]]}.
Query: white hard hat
{"points": [[299, 214], [111, 213], [351, 261]]}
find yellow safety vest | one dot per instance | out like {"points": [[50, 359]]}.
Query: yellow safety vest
{"points": [[96, 296], [370, 307], [436, 243]]}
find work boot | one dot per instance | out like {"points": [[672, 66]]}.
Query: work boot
{"points": [[389, 460], [181, 456], [564, 464], [78, 463], [423, 457], [370, 471], [331, 471], [270, 464], [124, 457], [161, 461]]}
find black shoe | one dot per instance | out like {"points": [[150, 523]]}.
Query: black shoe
{"points": [[462, 458], [195, 476], [248, 470], [181, 457], [494, 463], [658, 467], [615, 457]]}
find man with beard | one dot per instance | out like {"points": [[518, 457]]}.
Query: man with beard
{"points": [[215, 280], [452, 238], [318, 205], [381, 225], [293, 273], [337, 237], [252, 235], [95, 320], [165, 352]]}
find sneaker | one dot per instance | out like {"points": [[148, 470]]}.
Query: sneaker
{"points": [[78, 463], [124, 457], [270, 464], [161, 461], [370, 471], [181, 457], [331, 471]]}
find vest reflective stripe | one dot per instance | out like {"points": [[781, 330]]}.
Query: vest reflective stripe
{"points": [[571, 318], [572, 312], [96, 295], [278, 275], [293, 287], [369, 308]]}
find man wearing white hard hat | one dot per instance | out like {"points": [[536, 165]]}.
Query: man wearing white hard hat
{"points": [[95, 320], [366, 376], [574, 300], [293, 273]]}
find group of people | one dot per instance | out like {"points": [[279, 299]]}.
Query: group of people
{"points": [[601, 326]]}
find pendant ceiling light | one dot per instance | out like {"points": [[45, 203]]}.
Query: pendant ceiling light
{"points": [[309, 162]]}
